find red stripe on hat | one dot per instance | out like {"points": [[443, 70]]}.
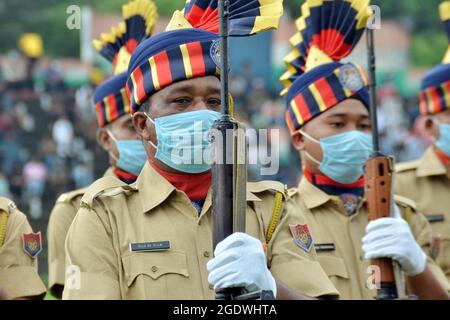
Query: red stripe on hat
{"points": [[303, 108], [139, 83], [289, 122], [423, 103], [163, 69], [196, 57], [326, 92], [99, 108], [194, 16], [436, 104], [128, 92], [114, 112]]}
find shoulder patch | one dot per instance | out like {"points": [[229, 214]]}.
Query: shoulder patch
{"points": [[7, 205], [69, 196], [100, 186], [405, 202], [407, 166]]}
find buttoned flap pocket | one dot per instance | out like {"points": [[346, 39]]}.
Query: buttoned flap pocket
{"points": [[333, 266], [154, 264]]}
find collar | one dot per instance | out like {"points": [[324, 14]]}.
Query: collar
{"points": [[153, 188], [430, 164], [313, 196], [150, 180]]}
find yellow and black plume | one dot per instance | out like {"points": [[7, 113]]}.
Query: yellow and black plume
{"points": [[117, 46], [444, 10], [328, 30], [247, 17]]}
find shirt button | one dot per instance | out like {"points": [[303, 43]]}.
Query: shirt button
{"points": [[206, 254], [211, 287], [154, 268]]}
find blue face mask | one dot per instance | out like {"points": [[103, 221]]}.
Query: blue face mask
{"points": [[443, 143], [183, 140], [132, 155], [344, 155]]}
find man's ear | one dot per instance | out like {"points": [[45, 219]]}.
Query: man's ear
{"points": [[104, 139], [140, 121], [298, 141]]}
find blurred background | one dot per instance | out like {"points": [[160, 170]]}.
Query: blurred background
{"points": [[47, 119]]}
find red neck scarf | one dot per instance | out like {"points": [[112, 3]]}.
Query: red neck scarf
{"points": [[332, 187], [445, 159], [195, 186], [125, 176]]}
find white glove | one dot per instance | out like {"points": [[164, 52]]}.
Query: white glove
{"points": [[240, 261], [392, 238]]}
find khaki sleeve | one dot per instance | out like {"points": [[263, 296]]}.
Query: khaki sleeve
{"points": [[421, 230], [18, 271], [91, 261], [61, 218], [294, 266]]}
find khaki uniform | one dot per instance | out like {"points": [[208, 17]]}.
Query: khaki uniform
{"points": [[338, 238], [152, 211], [427, 182], [18, 271], [61, 218]]}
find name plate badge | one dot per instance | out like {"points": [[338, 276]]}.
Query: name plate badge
{"points": [[150, 246], [323, 247]]}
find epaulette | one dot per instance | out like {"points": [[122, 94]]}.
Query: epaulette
{"points": [[405, 202], [7, 205], [69, 196], [101, 186], [407, 166], [262, 186]]}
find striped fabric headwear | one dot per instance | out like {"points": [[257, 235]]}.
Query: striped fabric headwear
{"points": [[110, 99], [190, 47], [435, 89], [315, 80]]}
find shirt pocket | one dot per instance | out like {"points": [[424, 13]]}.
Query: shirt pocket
{"points": [[337, 272], [155, 275]]}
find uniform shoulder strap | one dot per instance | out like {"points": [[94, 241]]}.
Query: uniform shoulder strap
{"points": [[6, 206], [407, 166], [69, 196], [100, 186]]}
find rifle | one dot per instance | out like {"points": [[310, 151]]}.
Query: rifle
{"points": [[378, 176], [229, 168]]}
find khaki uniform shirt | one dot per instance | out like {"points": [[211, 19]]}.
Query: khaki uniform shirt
{"points": [[153, 211], [338, 239], [61, 218], [427, 182], [18, 271]]}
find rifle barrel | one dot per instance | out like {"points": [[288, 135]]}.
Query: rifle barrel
{"points": [[224, 13], [373, 90]]}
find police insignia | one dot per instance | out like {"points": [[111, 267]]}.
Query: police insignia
{"points": [[350, 78], [302, 236], [214, 52], [351, 202], [32, 243]]}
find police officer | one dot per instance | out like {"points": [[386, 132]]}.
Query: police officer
{"points": [[327, 114], [153, 239], [427, 180], [19, 248], [116, 133]]}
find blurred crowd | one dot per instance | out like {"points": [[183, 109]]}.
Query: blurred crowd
{"points": [[48, 132]]}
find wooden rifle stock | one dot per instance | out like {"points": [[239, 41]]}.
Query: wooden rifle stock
{"points": [[379, 171]]}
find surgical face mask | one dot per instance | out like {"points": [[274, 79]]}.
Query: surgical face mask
{"points": [[344, 155], [132, 155], [183, 142], [443, 143]]}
